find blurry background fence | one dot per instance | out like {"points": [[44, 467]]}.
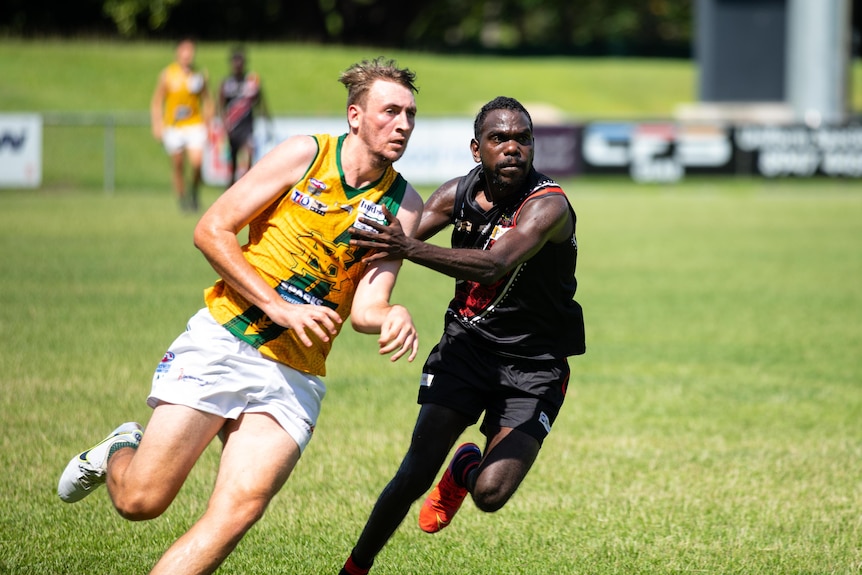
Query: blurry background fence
{"points": [[75, 144], [111, 151]]}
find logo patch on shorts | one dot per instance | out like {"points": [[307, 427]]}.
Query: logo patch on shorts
{"points": [[426, 380], [165, 364], [545, 421]]}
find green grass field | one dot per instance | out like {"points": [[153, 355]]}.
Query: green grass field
{"points": [[712, 427]]}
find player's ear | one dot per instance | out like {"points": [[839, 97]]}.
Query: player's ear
{"points": [[353, 114], [474, 149]]}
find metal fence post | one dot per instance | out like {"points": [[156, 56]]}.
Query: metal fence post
{"points": [[110, 154]]}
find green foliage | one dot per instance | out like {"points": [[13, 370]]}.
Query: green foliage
{"points": [[628, 27], [622, 26], [127, 13]]}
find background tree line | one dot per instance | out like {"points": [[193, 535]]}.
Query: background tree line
{"points": [[588, 27]]}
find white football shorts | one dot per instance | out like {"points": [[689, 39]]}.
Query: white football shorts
{"points": [[177, 139], [208, 369]]}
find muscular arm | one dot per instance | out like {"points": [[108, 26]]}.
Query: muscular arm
{"points": [[541, 220], [372, 311], [216, 236]]}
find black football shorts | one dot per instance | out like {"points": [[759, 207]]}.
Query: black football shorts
{"points": [[523, 394]]}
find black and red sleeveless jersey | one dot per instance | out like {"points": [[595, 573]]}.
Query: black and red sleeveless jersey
{"points": [[529, 313]]}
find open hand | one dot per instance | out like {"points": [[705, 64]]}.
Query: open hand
{"points": [[306, 318], [398, 335], [387, 240]]}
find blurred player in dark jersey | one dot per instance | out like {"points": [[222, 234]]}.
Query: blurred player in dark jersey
{"points": [[240, 94]]}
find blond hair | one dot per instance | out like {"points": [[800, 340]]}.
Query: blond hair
{"points": [[359, 77]]}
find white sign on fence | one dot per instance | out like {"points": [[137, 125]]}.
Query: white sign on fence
{"points": [[20, 150], [439, 148]]}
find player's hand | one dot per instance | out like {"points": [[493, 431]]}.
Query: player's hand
{"points": [[388, 240], [398, 335], [303, 319]]}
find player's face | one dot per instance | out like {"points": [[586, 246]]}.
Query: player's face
{"points": [[237, 64], [387, 119], [505, 148], [186, 54]]}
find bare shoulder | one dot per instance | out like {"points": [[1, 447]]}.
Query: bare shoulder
{"points": [[412, 201], [551, 213], [301, 145], [443, 197], [410, 211], [291, 158]]}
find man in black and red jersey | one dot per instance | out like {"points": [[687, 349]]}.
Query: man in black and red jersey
{"points": [[508, 334], [240, 94]]}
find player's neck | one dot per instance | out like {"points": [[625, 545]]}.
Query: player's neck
{"points": [[360, 166]]}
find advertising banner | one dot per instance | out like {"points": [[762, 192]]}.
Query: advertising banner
{"points": [[20, 150], [656, 151], [439, 148], [801, 151], [557, 150]]}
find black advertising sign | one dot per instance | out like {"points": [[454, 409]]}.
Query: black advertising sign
{"points": [[798, 150]]}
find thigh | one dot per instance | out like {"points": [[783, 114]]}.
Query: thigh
{"points": [[258, 457], [195, 140], [528, 398], [174, 439], [455, 377]]}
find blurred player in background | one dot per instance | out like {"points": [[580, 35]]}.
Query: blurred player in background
{"points": [[249, 367], [239, 95], [508, 332], [180, 111]]}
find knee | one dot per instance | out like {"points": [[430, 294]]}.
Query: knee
{"points": [[138, 505], [232, 519], [490, 497], [247, 512]]}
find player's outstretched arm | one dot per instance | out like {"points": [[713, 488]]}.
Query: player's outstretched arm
{"points": [[541, 220]]}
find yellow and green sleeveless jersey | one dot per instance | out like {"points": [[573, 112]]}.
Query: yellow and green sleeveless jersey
{"points": [[183, 91], [301, 247]]}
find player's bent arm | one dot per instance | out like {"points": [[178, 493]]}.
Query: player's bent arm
{"points": [[540, 220], [372, 311], [371, 300], [216, 234]]}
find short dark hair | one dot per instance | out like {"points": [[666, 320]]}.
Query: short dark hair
{"points": [[359, 77], [499, 103]]}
